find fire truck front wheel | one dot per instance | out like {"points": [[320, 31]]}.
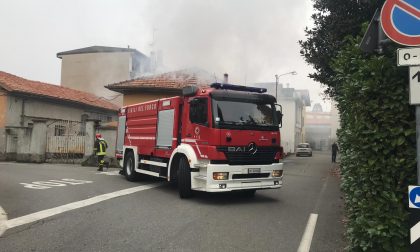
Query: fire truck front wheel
{"points": [[184, 179], [129, 172]]}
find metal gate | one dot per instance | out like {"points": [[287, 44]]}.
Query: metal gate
{"points": [[65, 142]]}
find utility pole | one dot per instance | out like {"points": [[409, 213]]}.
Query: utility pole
{"points": [[277, 79], [277, 83]]}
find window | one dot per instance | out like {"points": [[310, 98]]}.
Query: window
{"points": [[304, 146], [59, 130], [198, 110], [243, 113]]}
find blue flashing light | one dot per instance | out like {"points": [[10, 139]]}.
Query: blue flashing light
{"points": [[238, 88]]}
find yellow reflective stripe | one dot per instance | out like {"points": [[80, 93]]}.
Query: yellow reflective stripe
{"points": [[101, 149]]}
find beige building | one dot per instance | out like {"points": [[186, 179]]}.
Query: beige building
{"points": [[90, 69]]}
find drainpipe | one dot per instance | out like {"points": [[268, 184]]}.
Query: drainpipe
{"points": [[22, 115]]}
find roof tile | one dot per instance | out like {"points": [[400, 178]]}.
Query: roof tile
{"points": [[170, 80], [17, 84]]}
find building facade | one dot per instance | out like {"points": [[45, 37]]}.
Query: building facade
{"points": [[38, 118], [90, 69], [321, 127]]}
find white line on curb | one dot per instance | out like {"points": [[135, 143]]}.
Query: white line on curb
{"points": [[305, 243], [75, 205], [3, 220]]}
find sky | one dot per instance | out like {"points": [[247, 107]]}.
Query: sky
{"points": [[252, 40]]}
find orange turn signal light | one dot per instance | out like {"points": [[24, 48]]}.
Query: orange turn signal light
{"points": [[277, 173], [220, 175]]}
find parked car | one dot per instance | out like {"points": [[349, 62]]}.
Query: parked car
{"points": [[304, 149]]}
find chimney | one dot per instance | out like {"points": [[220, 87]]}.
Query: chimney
{"points": [[225, 78]]}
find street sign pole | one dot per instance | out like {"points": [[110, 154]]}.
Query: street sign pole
{"points": [[418, 142], [414, 78]]}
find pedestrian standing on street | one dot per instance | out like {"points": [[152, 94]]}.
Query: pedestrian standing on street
{"points": [[334, 148], [100, 149]]}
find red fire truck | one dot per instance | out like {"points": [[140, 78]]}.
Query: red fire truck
{"points": [[216, 139]]}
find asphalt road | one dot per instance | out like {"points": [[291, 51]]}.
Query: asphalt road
{"points": [[151, 216]]}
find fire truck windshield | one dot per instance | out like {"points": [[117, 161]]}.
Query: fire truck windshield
{"points": [[243, 114]]}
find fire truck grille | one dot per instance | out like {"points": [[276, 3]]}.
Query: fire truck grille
{"points": [[251, 175], [264, 155]]}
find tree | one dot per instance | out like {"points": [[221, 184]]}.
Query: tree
{"points": [[334, 20], [377, 135]]}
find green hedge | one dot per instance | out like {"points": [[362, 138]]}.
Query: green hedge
{"points": [[377, 144]]}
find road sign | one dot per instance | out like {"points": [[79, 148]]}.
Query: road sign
{"points": [[414, 196], [408, 56], [414, 221], [415, 85], [400, 21]]}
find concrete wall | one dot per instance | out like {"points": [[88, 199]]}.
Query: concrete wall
{"points": [[134, 98], [36, 108], [90, 72], [24, 125], [3, 144], [14, 111], [110, 136]]}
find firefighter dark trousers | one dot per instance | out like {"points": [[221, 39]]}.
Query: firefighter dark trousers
{"points": [[101, 162]]}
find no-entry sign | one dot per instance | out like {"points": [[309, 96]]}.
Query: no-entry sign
{"points": [[400, 21]]}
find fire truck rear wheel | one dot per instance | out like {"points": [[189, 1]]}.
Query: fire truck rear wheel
{"points": [[184, 179], [129, 172]]}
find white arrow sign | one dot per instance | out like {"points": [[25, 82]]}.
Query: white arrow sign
{"points": [[415, 85], [417, 200], [415, 233]]}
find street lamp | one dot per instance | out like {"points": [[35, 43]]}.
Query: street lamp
{"points": [[277, 79]]}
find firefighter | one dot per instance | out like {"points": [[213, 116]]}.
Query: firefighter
{"points": [[100, 150]]}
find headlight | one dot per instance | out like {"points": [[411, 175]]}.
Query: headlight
{"points": [[277, 173], [220, 175]]}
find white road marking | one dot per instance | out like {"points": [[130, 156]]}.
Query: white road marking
{"points": [[111, 173], [75, 205], [3, 221], [305, 243], [40, 185]]}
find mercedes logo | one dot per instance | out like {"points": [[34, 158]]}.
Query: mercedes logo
{"points": [[252, 148]]}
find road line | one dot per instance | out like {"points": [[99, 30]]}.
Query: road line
{"points": [[3, 220], [75, 205], [305, 243], [110, 173]]}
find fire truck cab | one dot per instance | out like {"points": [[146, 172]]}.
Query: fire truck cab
{"points": [[216, 139]]}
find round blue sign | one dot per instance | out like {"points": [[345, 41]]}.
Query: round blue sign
{"points": [[406, 22], [400, 21], [415, 197]]}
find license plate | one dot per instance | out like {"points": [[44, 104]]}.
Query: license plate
{"points": [[254, 170]]}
